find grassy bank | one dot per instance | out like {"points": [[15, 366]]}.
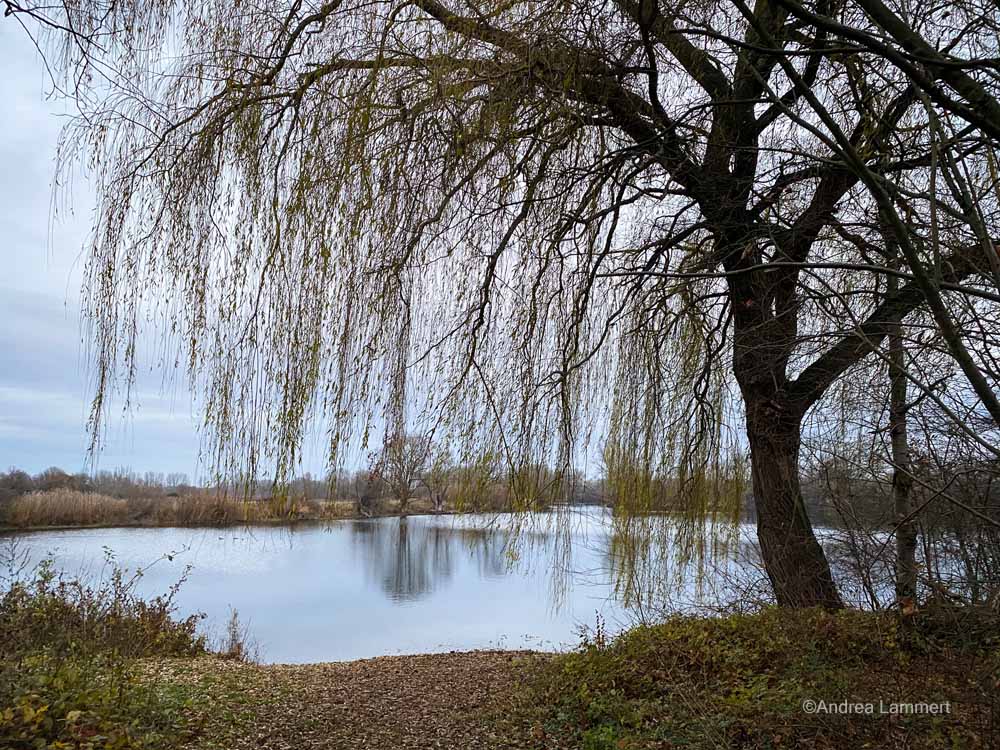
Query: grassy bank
{"points": [[778, 679], [70, 508]]}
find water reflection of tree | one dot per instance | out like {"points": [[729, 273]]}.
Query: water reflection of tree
{"points": [[411, 558], [658, 563], [487, 548]]}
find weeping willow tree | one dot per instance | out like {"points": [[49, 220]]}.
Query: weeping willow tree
{"points": [[530, 227]]}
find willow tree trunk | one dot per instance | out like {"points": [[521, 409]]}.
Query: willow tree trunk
{"points": [[794, 560], [764, 338]]}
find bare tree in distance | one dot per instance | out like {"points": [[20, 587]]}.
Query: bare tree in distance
{"points": [[367, 489], [437, 475], [402, 464], [654, 225]]}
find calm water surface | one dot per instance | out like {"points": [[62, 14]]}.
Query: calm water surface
{"points": [[357, 589]]}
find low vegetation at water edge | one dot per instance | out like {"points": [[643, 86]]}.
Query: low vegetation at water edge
{"points": [[73, 508], [777, 679], [71, 662]]}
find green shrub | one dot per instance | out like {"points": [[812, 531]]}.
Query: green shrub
{"points": [[60, 615], [69, 674], [741, 682], [85, 701]]}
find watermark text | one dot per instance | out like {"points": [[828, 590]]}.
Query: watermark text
{"points": [[876, 708]]}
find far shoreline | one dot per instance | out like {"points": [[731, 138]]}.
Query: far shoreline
{"points": [[289, 522]]}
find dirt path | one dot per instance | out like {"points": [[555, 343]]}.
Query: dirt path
{"points": [[429, 701]]}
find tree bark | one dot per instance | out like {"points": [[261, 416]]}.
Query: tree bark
{"points": [[794, 560], [765, 314], [902, 479]]}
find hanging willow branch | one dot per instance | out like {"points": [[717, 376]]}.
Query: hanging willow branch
{"points": [[540, 231]]}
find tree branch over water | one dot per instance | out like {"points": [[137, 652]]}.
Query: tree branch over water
{"points": [[542, 231]]}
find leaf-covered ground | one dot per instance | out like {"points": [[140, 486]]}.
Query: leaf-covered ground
{"points": [[429, 701]]}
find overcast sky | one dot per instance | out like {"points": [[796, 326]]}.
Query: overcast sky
{"points": [[44, 394]]}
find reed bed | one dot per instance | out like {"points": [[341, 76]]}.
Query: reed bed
{"points": [[66, 508], [72, 508]]}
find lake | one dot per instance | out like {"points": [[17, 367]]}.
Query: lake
{"points": [[363, 588]]}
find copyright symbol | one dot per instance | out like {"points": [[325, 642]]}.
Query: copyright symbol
{"points": [[809, 706]]}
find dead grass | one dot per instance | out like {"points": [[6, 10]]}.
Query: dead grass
{"points": [[64, 507]]}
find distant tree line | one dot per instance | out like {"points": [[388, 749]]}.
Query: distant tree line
{"points": [[411, 468], [120, 482]]}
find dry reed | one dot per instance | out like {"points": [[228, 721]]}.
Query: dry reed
{"points": [[72, 508]]}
